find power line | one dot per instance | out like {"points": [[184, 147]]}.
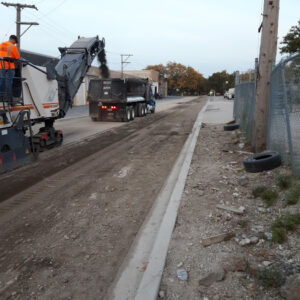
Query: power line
{"points": [[47, 21], [55, 8]]}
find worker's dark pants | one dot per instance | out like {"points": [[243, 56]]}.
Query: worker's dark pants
{"points": [[6, 81]]}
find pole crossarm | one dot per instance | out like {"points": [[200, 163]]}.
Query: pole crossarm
{"points": [[21, 5]]}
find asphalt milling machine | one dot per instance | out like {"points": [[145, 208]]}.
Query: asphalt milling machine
{"points": [[43, 95]]}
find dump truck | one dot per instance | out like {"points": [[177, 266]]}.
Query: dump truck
{"points": [[120, 99]]}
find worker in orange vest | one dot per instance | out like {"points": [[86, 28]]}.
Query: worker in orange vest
{"points": [[7, 69]]}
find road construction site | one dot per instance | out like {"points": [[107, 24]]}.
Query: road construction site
{"points": [[70, 218]]}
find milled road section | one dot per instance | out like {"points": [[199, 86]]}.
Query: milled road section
{"points": [[68, 223]]}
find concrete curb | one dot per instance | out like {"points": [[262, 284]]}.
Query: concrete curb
{"points": [[142, 270]]}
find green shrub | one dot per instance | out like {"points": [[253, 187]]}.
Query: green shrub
{"points": [[269, 278], [292, 195], [269, 196], [279, 235], [283, 224], [284, 181], [256, 192]]}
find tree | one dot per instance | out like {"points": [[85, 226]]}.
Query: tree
{"points": [[221, 81], [181, 79], [291, 41]]}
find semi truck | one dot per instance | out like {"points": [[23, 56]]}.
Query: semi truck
{"points": [[120, 99], [43, 95]]}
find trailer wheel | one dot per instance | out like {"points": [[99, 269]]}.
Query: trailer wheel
{"points": [[140, 110], [144, 110], [127, 114], [42, 145], [59, 138], [132, 113]]}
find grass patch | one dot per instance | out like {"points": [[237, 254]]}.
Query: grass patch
{"points": [[257, 191], [270, 278], [284, 181], [292, 195], [268, 195], [282, 225]]}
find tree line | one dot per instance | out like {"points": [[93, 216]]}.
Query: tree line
{"points": [[185, 80]]}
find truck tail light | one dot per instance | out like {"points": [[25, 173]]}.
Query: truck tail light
{"points": [[113, 107], [103, 107]]}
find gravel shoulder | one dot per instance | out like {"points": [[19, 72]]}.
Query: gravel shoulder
{"points": [[235, 267]]}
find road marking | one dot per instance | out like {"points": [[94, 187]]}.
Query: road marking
{"points": [[142, 269]]}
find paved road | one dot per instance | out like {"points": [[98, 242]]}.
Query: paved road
{"points": [[69, 219], [77, 125]]}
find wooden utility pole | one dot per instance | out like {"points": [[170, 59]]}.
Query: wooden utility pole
{"points": [[267, 57], [124, 61], [19, 7]]}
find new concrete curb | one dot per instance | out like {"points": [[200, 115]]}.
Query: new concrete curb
{"points": [[142, 270]]}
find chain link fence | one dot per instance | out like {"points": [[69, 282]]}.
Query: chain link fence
{"points": [[284, 111], [244, 105], [283, 133]]}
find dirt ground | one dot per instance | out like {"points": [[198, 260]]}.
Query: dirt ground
{"points": [[216, 177], [68, 220]]}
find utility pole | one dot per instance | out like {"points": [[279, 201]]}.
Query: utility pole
{"points": [[19, 7], [124, 60], [267, 57]]}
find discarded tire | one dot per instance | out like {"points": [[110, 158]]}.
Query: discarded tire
{"points": [[231, 126], [262, 162]]}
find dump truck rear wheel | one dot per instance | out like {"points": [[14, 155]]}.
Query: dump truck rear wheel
{"points": [[132, 113]]}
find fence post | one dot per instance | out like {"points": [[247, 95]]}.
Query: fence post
{"points": [[288, 125], [235, 104]]}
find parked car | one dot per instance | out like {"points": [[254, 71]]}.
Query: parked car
{"points": [[229, 94]]}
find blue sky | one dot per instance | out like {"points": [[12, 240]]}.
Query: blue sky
{"points": [[208, 35]]}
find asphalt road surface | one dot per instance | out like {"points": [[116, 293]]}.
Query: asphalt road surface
{"points": [[69, 219], [77, 125]]}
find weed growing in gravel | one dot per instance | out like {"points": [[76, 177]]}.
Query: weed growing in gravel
{"points": [[269, 278], [292, 195], [283, 224], [284, 181], [267, 194], [257, 191]]}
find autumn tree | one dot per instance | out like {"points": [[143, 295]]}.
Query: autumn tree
{"points": [[291, 41], [181, 79]]}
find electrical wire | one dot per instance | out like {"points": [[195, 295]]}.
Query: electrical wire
{"points": [[51, 26], [55, 8]]}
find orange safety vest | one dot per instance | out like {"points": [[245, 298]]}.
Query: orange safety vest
{"points": [[7, 49]]}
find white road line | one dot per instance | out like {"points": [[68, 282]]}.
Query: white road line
{"points": [[142, 269]]}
